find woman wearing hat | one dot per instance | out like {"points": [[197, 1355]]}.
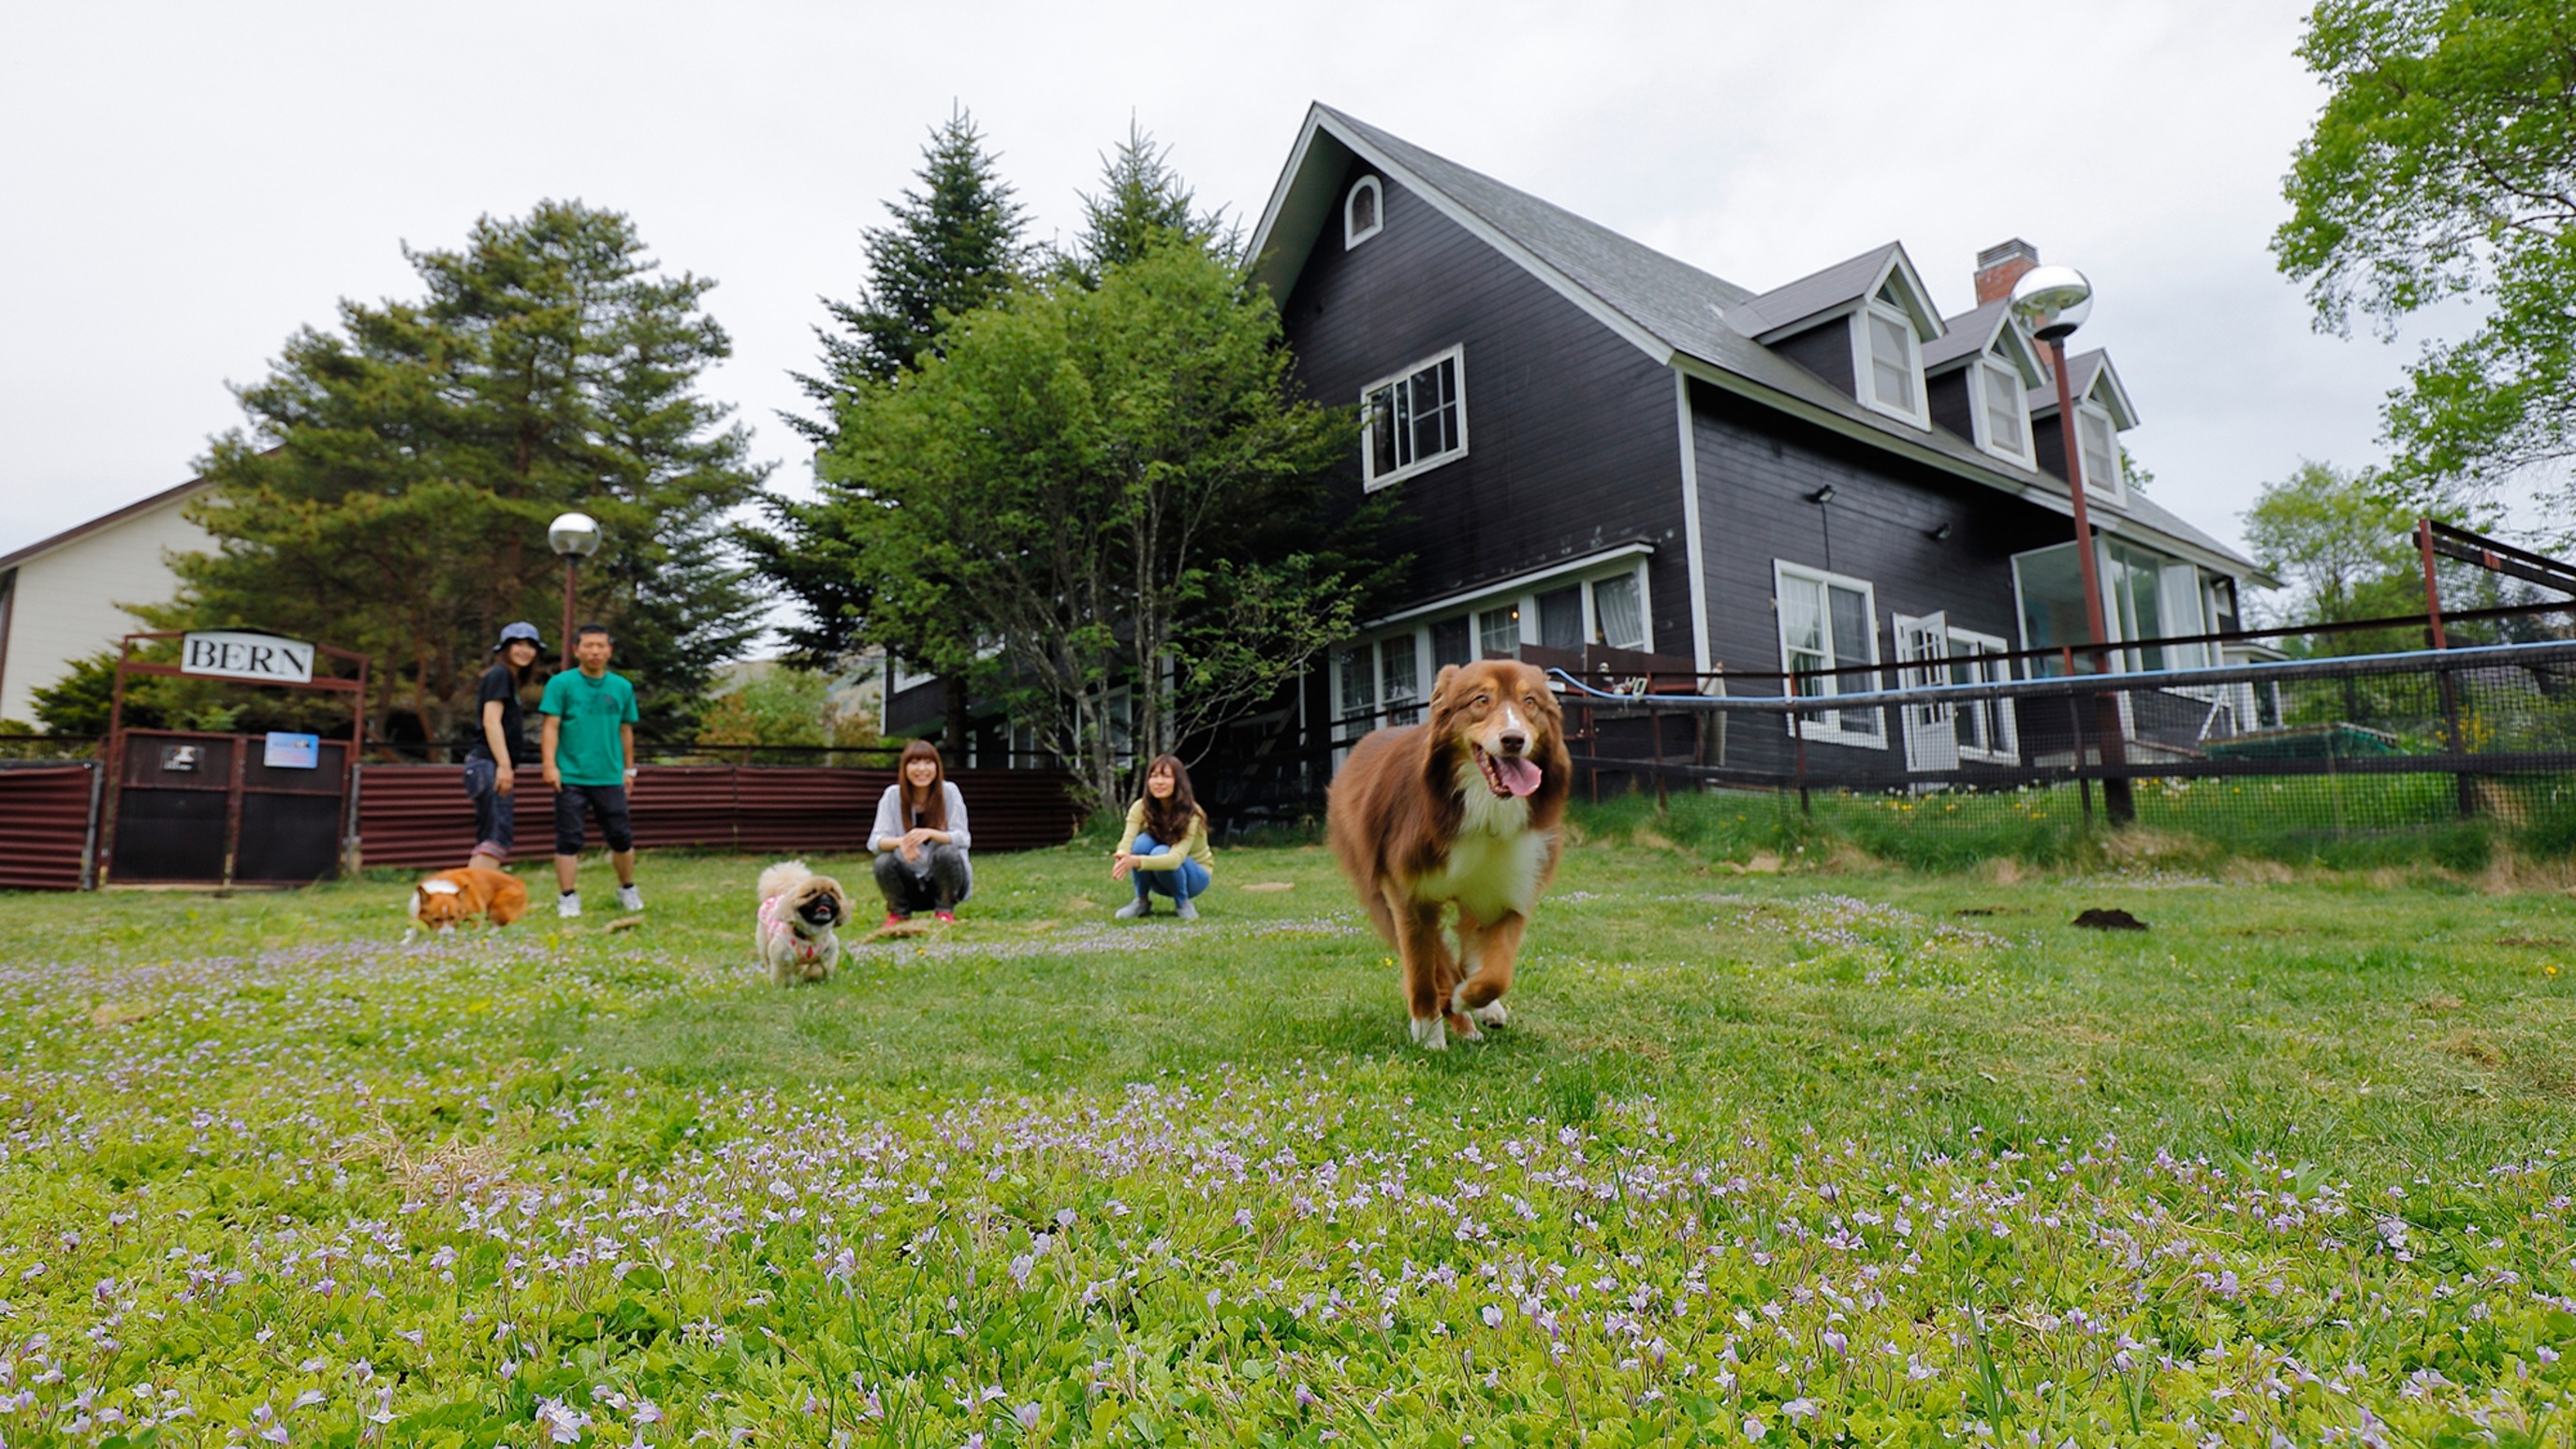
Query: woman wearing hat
{"points": [[500, 744]]}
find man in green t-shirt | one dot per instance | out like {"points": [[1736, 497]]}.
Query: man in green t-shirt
{"points": [[589, 755]]}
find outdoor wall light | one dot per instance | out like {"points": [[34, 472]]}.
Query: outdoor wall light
{"points": [[1822, 495], [1940, 535]]}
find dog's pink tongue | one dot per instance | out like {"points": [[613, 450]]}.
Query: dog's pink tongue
{"points": [[1519, 775]]}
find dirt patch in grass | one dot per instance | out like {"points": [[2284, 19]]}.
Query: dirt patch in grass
{"points": [[2475, 1045]]}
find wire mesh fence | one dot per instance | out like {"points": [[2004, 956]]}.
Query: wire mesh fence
{"points": [[2300, 755]]}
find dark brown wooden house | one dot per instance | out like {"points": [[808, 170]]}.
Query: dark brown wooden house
{"points": [[1600, 444]]}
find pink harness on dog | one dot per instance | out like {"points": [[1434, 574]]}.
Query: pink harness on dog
{"points": [[774, 922]]}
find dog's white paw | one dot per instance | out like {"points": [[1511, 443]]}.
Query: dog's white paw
{"points": [[1431, 1034], [1492, 1013]]}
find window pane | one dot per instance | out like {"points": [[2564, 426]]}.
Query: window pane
{"points": [[1381, 432], [1890, 362], [2003, 409], [1852, 629], [1400, 673], [1363, 207], [1615, 609], [1498, 631], [1358, 693], [1434, 396], [1403, 393], [1397, 666], [1802, 617], [1560, 618], [2101, 465], [1449, 643]]}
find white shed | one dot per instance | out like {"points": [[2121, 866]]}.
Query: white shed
{"points": [[63, 598]]}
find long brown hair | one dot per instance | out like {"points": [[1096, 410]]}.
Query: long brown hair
{"points": [[929, 807], [1169, 820]]}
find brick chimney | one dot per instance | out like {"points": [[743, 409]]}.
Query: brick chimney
{"points": [[2001, 265]]}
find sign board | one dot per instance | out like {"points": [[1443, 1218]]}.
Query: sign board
{"points": [[247, 656], [292, 752]]}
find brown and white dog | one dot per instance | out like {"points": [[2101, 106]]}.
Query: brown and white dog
{"points": [[451, 897], [1462, 811], [798, 910]]}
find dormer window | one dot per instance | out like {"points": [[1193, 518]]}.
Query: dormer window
{"points": [[2101, 451], [1363, 212], [2003, 408], [1892, 355]]}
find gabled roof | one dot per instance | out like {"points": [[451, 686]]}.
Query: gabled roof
{"points": [[80, 531], [1974, 332], [2091, 378], [1840, 287], [1669, 309]]}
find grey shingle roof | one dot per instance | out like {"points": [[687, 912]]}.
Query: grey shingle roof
{"points": [[1839, 285], [1968, 335], [1683, 308]]}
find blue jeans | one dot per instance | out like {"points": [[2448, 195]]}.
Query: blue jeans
{"points": [[1180, 885]]}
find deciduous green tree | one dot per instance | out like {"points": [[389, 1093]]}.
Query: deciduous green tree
{"points": [[1119, 487], [392, 489], [2335, 538], [2444, 166]]}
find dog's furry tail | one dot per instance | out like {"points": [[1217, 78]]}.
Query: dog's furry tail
{"points": [[783, 877]]}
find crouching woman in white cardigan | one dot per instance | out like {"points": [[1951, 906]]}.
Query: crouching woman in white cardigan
{"points": [[920, 839]]}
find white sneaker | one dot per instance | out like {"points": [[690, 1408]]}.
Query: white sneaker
{"points": [[1137, 907], [629, 898], [1187, 910], [568, 905]]}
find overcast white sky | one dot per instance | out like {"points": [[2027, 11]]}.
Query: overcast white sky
{"points": [[184, 185]]}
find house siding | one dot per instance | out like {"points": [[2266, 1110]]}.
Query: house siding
{"points": [[1758, 469], [1952, 406], [68, 603], [1571, 444], [1825, 351]]}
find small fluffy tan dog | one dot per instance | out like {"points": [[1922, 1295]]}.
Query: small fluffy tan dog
{"points": [[451, 897], [798, 910]]}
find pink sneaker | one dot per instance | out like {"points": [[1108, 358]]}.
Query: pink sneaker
{"points": [[946, 918]]}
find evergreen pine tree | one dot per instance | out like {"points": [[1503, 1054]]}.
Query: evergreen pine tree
{"points": [[1143, 203], [955, 245], [392, 491]]}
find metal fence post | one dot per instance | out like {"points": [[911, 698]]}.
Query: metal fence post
{"points": [[2440, 640]]}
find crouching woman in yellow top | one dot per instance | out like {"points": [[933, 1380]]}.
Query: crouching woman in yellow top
{"points": [[1165, 850]]}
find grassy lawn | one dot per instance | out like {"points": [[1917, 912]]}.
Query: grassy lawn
{"points": [[1852, 1156]]}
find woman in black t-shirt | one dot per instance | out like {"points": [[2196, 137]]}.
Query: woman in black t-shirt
{"points": [[500, 744]]}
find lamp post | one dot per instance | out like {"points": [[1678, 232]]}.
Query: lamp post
{"points": [[576, 537], [2052, 302]]}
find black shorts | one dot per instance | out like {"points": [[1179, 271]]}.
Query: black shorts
{"points": [[574, 803]]}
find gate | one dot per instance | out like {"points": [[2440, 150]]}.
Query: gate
{"points": [[214, 809], [190, 807]]}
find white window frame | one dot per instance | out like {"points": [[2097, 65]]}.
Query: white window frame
{"points": [[1817, 730], [1371, 480], [1864, 375], [2003, 746], [1415, 625], [1352, 236], [1981, 376], [2118, 492]]}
